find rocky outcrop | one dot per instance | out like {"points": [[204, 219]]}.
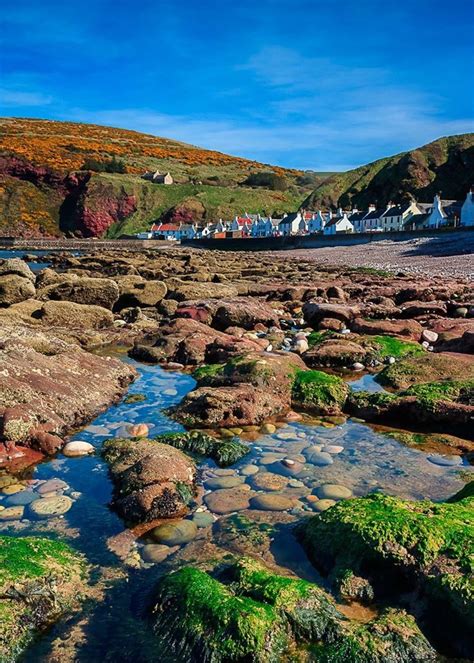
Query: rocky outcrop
{"points": [[152, 480], [82, 290], [402, 546], [49, 386], [72, 315]]}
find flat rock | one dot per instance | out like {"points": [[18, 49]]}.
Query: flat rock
{"points": [[77, 448], [176, 533], [51, 507], [333, 491], [228, 500], [271, 502]]}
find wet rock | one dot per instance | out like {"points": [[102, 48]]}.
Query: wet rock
{"points": [[22, 499], [50, 507], [12, 513], [319, 458], [52, 485], [319, 392], [269, 481], [224, 482], [408, 328], [271, 502], [314, 312], [429, 367], [245, 313], [18, 267], [175, 534], [333, 491], [228, 500], [78, 448], [204, 519], [335, 352], [152, 480], [155, 553], [138, 292]]}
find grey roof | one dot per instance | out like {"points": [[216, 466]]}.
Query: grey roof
{"points": [[333, 221], [394, 211], [288, 219], [357, 216], [376, 214]]}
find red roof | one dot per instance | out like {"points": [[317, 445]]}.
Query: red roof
{"points": [[242, 221], [165, 227], [308, 215]]}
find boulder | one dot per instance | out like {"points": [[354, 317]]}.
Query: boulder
{"points": [[319, 392], [430, 367], [314, 312], [14, 289], [409, 328], [73, 315], [18, 267], [134, 291], [186, 290], [84, 290], [152, 480], [335, 352], [244, 312]]}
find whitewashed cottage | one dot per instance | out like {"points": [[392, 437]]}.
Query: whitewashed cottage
{"points": [[290, 224], [338, 224], [467, 209]]}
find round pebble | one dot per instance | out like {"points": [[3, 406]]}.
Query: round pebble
{"points": [[154, 553], [322, 505], [52, 485], [77, 448], [22, 499], [224, 482], [12, 513], [269, 502], [203, 519], [175, 534], [13, 488], [50, 507], [320, 458], [332, 448], [269, 481], [268, 429], [333, 491], [445, 461], [249, 470], [228, 500]]}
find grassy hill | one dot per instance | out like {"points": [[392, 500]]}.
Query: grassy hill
{"points": [[54, 180], [446, 165]]}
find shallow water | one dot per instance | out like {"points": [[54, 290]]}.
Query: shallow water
{"points": [[34, 266], [360, 459]]}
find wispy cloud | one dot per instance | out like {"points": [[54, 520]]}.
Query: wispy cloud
{"points": [[21, 98]]}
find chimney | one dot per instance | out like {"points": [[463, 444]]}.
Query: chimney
{"points": [[372, 207]]}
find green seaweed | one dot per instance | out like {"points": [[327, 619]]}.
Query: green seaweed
{"points": [[223, 452], [391, 346], [319, 391], [204, 620]]}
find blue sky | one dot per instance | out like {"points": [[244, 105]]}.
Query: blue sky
{"points": [[321, 84]]}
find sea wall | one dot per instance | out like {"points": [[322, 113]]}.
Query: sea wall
{"points": [[319, 241]]}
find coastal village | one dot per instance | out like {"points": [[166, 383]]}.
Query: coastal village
{"points": [[407, 216]]}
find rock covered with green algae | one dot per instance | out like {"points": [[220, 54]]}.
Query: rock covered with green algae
{"points": [[319, 391], [421, 546], [203, 620], [223, 452], [40, 579], [446, 402], [151, 480], [261, 617], [430, 367]]}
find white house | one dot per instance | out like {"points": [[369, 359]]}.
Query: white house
{"points": [[166, 230], [338, 224], [467, 209], [188, 231], [437, 216], [290, 224], [157, 177], [396, 216]]}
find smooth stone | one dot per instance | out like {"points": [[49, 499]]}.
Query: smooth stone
{"points": [[22, 499], [223, 472], [314, 447], [269, 502], [288, 462], [12, 513], [332, 448], [286, 436], [428, 335], [51, 506], [268, 429], [295, 483], [333, 491], [320, 458], [228, 500], [312, 498], [175, 534], [138, 430], [170, 392], [224, 482], [154, 553], [445, 461], [52, 485], [357, 366], [97, 430], [268, 459], [13, 488], [203, 519], [249, 470], [269, 481], [322, 505], [77, 448], [7, 480]]}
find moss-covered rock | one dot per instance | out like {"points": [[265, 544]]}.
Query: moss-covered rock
{"points": [[449, 402], [224, 452], [393, 637], [40, 580], [382, 347], [307, 608], [430, 367], [319, 392], [403, 545], [202, 620]]}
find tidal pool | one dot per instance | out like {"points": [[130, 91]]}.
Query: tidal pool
{"points": [[299, 470]]}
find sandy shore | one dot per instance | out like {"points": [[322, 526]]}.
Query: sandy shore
{"points": [[432, 256]]}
